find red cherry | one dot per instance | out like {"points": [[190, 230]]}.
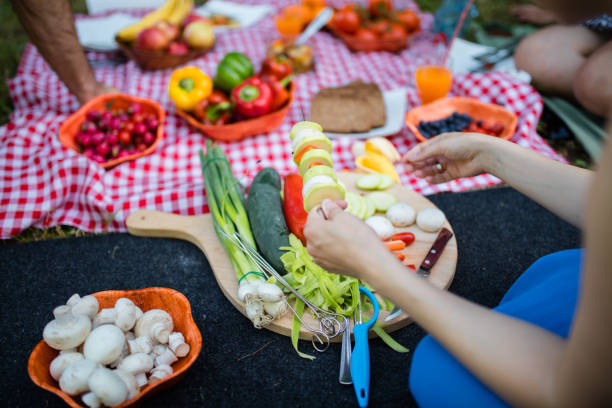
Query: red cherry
{"points": [[103, 149], [140, 128], [148, 138], [125, 137]]}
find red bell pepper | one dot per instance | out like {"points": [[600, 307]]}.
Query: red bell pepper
{"points": [[253, 98], [293, 206], [279, 88], [214, 110], [279, 67]]}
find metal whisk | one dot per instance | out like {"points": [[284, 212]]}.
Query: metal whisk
{"points": [[329, 323]]}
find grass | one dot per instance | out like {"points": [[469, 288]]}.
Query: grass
{"points": [[13, 40]]}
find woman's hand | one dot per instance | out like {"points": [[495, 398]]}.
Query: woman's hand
{"points": [[449, 156], [342, 243]]}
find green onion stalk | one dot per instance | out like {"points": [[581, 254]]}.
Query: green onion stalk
{"points": [[226, 203]]}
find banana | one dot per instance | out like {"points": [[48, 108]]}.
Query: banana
{"points": [[129, 33], [180, 12]]}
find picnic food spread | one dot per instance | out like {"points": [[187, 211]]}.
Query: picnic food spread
{"points": [[253, 237]]}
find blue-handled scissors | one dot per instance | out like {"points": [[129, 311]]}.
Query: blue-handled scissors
{"points": [[360, 357]]}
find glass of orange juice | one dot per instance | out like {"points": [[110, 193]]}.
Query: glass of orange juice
{"points": [[289, 25], [433, 82]]}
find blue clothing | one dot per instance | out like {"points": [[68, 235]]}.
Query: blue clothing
{"points": [[545, 295]]}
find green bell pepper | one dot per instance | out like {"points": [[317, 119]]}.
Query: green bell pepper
{"points": [[234, 68]]}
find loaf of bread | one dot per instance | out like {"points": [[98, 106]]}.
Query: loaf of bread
{"points": [[352, 108]]}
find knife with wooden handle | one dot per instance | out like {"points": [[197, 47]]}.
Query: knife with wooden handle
{"points": [[430, 260]]}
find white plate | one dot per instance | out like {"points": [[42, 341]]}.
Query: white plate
{"points": [[395, 109], [98, 34], [246, 15]]}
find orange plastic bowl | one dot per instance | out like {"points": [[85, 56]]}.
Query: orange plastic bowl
{"points": [[478, 110], [378, 44], [175, 303], [244, 128], [69, 129]]}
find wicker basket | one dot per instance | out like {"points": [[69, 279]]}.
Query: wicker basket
{"points": [[153, 60]]}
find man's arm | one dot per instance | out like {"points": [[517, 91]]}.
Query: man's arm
{"points": [[50, 26]]}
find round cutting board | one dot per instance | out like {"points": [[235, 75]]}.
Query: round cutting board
{"points": [[199, 231]]}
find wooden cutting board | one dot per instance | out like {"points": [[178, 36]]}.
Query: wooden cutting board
{"points": [[199, 231]]}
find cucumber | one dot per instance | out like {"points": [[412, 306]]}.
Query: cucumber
{"points": [[369, 182], [382, 201], [265, 212], [385, 182]]}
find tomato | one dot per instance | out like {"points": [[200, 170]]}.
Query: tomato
{"points": [[125, 137], [395, 33], [364, 34], [406, 237], [410, 20], [380, 27], [379, 7], [346, 20]]}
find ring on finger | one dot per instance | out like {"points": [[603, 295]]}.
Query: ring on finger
{"points": [[321, 211], [439, 167]]}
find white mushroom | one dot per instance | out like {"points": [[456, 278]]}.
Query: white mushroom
{"points": [[62, 361], [130, 382], [142, 344], [137, 363], [104, 316], [430, 219], [126, 314], [166, 358], [86, 305], [91, 400], [381, 225], [401, 214], [104, 344], [160, 372], [141, 379], [67, 330], [74, 379], [176, 342], [156, 324], [108, 387], [159, 349]]}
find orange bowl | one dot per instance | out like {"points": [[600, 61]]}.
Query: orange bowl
{"points": [[478, 110], [175, 303], [244, 128], [153, 60], [378, 44], [69, 129]]}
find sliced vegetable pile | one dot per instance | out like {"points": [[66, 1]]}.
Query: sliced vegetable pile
{"points": [[312, 153]]}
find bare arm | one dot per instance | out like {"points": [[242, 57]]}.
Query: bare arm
{"points": [[524, 364], [50, 27], [559, 187]]}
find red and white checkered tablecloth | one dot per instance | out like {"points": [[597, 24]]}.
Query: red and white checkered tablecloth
{"points": [[44, 184]]}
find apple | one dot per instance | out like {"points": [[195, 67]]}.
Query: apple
{"points": [[171, 30], [178, 48], [199, 34], [194, 17], [152, 39]]}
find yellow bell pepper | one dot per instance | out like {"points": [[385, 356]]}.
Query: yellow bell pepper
{"points": [[188, 86], [377, 163]]}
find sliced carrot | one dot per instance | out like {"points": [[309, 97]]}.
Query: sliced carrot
{"points": [[315, 164], [298, 158], [399, 256], [396, 245]]}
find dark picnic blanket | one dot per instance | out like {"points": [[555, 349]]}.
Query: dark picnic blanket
{"points": [[499, 232]]}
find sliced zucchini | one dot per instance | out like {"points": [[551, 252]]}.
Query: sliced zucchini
{"points": [[317, 194], [371, 208], [385, 182], [369, 182], [314, 156], [303, 125], [382, 201]]}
